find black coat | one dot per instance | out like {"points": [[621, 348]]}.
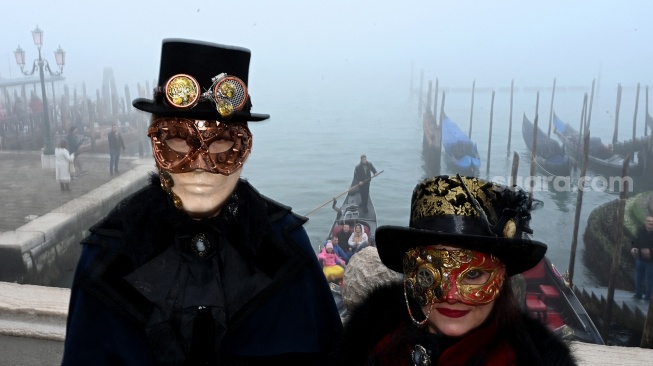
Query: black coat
{"points": [[143, 296], [384, 311], [363, 172]]}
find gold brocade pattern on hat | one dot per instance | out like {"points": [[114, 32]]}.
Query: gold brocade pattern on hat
{"points": [[447, 196]]}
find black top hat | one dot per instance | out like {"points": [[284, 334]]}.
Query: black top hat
{"points": [[203, 67], [465, 212]]}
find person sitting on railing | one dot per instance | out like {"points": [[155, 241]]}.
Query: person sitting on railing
{"points": [[330, 261]]}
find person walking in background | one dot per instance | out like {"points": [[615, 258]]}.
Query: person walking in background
{"points": [[63, 160], [115, 144], [362, 174], [642, 250], [74, 141]]}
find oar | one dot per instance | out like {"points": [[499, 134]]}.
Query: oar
{"points": [[347, 191]]}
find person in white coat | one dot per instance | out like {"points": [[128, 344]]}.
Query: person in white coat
{"points": [[62, 168]]}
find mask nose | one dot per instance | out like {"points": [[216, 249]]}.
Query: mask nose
{"points": [[201, 161], [452, 294]]}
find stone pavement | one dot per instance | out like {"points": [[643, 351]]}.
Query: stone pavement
{"points": [[26, 189]]}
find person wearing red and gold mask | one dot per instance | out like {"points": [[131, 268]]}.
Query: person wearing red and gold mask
{"points": [[455, 305]]}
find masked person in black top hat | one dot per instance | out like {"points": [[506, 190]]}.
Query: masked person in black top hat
{"points": [[199, 268], [455, 306]]}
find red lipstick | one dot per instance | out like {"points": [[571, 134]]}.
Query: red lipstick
{"points": [[451, 313]]}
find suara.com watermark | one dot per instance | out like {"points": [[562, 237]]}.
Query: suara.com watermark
{"points": [[565, 183]]}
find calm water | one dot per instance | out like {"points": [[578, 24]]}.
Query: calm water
{"points": [[307, 152]]}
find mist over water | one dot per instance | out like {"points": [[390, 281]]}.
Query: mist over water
{"points": [[335, 77], [306, 154]]}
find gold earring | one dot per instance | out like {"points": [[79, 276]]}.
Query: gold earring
{"points": [[166, 184]]}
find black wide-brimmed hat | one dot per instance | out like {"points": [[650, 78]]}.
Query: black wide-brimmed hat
{"points": [[201, 80], [469, 213]]}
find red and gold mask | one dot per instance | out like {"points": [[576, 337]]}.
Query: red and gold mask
{"points": [[431, 274], [182, 145]]}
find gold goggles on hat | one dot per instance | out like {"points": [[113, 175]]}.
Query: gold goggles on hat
{"points": [[228, 93]]}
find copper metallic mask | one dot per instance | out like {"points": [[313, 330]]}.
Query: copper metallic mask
{"points": [[183, 145], [430, 274]]}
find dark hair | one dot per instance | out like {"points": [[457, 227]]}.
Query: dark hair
{"points": [[63, 144], [509, 322], [72, 128]]}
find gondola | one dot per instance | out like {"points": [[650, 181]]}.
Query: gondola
{"points": [[548, 298], [350, 212], [431, 144], [600, 157], [460, 153], [550, 157]]}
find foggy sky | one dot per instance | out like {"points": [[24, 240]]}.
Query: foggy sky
{"points": [[298, 46]]}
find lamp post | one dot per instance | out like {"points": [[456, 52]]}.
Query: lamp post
{"points": [[42, 65]]}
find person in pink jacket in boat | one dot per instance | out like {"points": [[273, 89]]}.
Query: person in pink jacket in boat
{"points": [[331, 263]]}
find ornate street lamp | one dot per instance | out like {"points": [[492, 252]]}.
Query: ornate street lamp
{"points": [[42, 65]]}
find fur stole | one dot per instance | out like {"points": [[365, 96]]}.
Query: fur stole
{"points": [[384, 312]]}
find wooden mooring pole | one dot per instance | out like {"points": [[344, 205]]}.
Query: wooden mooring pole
{"points": [[646, 111], [579, 204], [531, 178], [489, 143], [581, 132], [615, 134], [428, 97], [439, 134], [515, 167], [589, 112], [616, 254], [512, 90], [471, 110], [421, 86], [435, 101], [553, 93], [635, 120]]}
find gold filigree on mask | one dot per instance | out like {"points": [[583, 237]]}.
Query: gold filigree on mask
{"points": [[429, 274]]}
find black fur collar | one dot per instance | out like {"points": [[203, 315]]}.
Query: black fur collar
{"points": [[384, 310]]}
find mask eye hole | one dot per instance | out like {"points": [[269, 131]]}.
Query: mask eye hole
{"points": [[178, 145], [220, 146], [476, 277]]}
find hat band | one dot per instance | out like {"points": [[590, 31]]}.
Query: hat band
{"points": [[453, 224]]}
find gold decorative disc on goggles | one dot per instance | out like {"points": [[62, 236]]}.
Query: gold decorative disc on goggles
{"points": [[429, 274], [228, 93], [182, 91]]}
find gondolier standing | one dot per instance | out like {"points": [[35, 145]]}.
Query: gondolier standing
{"points": [[362, 174]]}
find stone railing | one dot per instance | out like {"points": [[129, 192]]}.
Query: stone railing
{"points": [[38, 252]]}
